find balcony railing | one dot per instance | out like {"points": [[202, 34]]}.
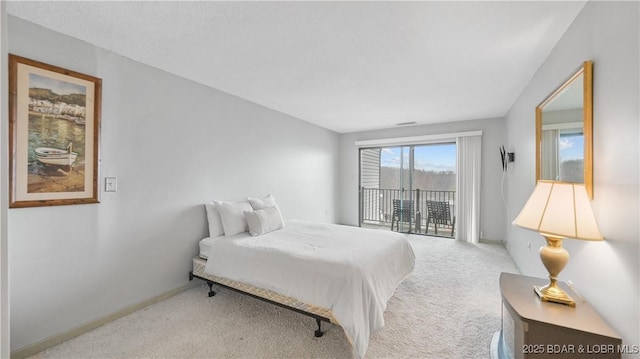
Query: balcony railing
{"points": [[376, 209]]}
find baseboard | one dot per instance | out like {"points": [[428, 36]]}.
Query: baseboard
{"points": [[491, 241], [54, 340]]}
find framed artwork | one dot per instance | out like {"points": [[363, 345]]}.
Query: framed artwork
{"points": [[54, 125]]}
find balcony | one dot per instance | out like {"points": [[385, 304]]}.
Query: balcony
{"points": [[418, 211]]}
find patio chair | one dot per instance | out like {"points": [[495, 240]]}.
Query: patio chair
{"points": [[404, 210], [439, 213]]}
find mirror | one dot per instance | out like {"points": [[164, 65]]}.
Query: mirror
{"points": [[564, 131]]}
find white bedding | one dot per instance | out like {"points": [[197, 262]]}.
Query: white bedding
{"points": [[350, 270], [205, 247], [206, 244]]}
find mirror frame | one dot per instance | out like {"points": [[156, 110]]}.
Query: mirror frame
{"points": [[585, 69]]}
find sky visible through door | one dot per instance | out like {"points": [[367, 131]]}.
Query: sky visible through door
{"points": [[434, 166]]}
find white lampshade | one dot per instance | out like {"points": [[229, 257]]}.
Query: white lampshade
{"points": [[560, 209]]}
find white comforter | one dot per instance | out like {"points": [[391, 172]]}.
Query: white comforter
{"points": [[350, 270]]}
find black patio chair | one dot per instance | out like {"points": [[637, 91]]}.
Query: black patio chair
{"points": [[404, 210], [439, 213]]}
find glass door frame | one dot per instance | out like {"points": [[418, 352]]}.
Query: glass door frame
{"points": [[405, 190], [403, 226]]}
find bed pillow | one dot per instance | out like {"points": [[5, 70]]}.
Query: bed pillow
{"points": [[232, 216], [267, 202], [262, 203], [264, 221], [215, 222]]}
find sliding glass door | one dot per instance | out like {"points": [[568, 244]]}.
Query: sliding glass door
{"points": [[396, 181], [409, 188]]}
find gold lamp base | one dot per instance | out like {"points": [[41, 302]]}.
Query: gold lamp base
{"points": [[549, 293], [554, 258]]}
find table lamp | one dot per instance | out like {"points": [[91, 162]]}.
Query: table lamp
{"points": [[558, 210]]}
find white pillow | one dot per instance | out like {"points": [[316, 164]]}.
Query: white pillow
{"points": [[268, 202], [264, 221], [262, 203], [232, 216], [215, 222]]}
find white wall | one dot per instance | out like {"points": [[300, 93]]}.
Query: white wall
{"points": [[492, 216], [4, 191], [173, 144], [605, 273]]}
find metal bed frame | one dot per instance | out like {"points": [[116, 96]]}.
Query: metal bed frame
{"points": [[319, 319]]}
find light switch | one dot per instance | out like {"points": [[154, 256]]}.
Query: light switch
{"points": [[110, 184]]}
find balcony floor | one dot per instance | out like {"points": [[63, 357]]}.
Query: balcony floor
{"points": [[443, 231]]}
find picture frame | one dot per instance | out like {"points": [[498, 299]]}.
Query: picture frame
{"points": [[54, 133]]}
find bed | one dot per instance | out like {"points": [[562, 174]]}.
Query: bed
{"points": [[339, 274]]}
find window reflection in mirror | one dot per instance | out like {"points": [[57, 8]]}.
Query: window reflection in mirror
{"points": [[562, 146], [563, 131]]}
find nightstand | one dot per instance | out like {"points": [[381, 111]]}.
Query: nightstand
{"points": [[532, 328]]}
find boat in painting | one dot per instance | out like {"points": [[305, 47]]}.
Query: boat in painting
{"points": [[56, 156]]}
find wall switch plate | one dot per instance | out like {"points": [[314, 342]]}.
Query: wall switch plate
{"points": [[110, 184]]}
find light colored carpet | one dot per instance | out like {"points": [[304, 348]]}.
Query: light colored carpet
{"points": [[448, 308]]}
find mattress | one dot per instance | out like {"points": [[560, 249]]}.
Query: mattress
{"points": [[207, 243], [353, 271], [205, 247]]}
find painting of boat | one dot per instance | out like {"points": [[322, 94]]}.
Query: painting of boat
{"points": [[56, 156]]}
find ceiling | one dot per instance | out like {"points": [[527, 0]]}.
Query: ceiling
{"points": [[345, 66]]}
